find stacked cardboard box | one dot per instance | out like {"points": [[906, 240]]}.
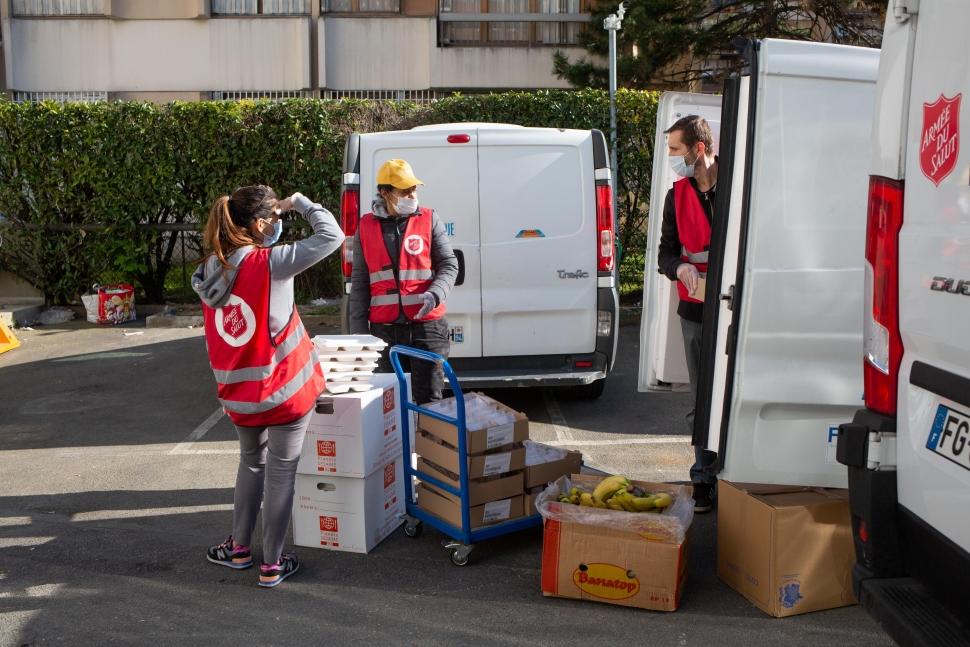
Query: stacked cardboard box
{"points": [[545, 464], [350, 478], [496, 461]]}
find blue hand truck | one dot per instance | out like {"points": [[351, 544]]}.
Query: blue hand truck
{"points": [[461, 539]]}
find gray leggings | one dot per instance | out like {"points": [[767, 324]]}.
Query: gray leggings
{"points": [[267, 476]]}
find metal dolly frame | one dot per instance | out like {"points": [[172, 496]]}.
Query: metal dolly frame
{"points": [[462, 539]]}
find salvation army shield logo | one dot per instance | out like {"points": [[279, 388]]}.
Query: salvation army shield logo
{"points": [[940, 140], [414, 244], [235, 322]]}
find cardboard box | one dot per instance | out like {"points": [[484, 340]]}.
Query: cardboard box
{"points": [[530, 500], [545, 473], [479, 490], [612, 566], [787, 549], [481, 440], [354, 434], [346, 513], [495, 462], [448, 507]]}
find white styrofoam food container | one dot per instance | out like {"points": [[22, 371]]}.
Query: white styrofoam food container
{"points": [[328, 343]]}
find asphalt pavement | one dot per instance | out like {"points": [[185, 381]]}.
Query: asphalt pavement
{"points": [[116, 472]]}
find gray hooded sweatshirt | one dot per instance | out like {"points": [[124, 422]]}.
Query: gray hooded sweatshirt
{"points": [[214, 284]]}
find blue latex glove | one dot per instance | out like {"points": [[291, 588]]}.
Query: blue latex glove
{"points": [[429, 304]]}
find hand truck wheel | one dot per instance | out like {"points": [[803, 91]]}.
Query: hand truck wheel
{"points": [[412, 527], [461, 555]]}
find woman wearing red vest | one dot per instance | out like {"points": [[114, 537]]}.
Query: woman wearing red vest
{"points": [[404, 270], [266, 369], [684, 240]]}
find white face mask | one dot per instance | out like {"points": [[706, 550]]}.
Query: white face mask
{"points": [[406, 206], [680, 166]]}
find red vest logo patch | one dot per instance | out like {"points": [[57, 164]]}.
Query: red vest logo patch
{"points": [[235, 322], [414, 244], [940, 140]]}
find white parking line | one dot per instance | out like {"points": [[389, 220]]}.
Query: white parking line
{"points": [[555, 415], [651, 440], [197, 433]]}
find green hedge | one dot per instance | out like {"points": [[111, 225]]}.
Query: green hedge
{"points": [[81, 184]]}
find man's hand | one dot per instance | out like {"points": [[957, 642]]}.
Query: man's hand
{"points": [[429, 304], [688, 275]]}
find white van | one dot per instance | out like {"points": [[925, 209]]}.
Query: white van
{"points": [[908, 450], [783, 319], [529, 213]]}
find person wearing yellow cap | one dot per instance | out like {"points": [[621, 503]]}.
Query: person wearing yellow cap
{"points": [[403, 271]]}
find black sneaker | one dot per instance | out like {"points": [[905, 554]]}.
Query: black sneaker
{"points": [[703, 497], [272, 574], [228, 554]]}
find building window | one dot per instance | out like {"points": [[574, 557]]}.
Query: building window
{"points": [[60, 97], [257, 95], [58, 7], [261, 7], [363, 6], [493, 22]]}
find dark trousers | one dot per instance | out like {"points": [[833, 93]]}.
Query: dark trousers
{"points": [[703, 471], [427, 379]]}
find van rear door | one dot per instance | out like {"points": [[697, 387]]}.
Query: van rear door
{"points": [[538, 241], [782, 329], [446, 159], [662, 360], [933, 468]]}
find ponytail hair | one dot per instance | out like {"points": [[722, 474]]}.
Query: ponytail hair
{"points": [[230, 217]]}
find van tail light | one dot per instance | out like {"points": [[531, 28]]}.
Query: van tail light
{"points": [[604, 228], [882, 345], [349, 218]]}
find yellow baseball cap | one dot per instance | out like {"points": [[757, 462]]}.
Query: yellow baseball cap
{"points": [[398, 174]]}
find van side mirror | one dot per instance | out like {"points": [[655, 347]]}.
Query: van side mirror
{"points": [[460, 255]]}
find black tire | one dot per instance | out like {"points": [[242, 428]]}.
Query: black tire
{"points": [[458, 560], [413, 531], [590, 391]]}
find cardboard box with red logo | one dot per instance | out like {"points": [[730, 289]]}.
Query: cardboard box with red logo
{"points": [[347, 513], [354, 434], [787, 549], [623, 558]]}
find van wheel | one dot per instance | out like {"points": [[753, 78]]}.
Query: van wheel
{"points": [[590, 391]]}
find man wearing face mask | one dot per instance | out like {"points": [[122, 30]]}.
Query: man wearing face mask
{"points": [[404, 270], [684, 241]]}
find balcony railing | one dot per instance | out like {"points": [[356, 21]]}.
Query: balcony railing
{"points": [[511, 22], [58, 7], [261, 7]]}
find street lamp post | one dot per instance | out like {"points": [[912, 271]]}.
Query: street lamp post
{"points": [[612, 24]]}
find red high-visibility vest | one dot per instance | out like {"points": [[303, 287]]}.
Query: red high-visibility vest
{"points": [[693, 229], [414, 273], [262, 380]]}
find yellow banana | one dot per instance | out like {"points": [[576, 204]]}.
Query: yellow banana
{"points": [[586, 499], [574, 498], [598, 504], [662, 500], [614, 504], [645, 503], [626, 500], [609, 486]]}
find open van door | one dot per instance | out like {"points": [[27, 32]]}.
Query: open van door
{"points": [[446, 159], [662, 360], [783, 326]]}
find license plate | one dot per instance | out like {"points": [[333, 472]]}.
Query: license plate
{"points": [[950, 436]]}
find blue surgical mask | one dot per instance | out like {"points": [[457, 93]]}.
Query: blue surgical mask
{"points": [[680, 166], [270, 239]]}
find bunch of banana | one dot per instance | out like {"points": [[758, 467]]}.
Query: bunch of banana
{"points": [[617, 493]]}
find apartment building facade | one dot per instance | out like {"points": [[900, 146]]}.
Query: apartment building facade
{"points": [[162, 50]]}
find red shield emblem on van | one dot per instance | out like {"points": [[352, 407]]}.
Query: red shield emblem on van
{"points": [[940, 139], [233, 321]]}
